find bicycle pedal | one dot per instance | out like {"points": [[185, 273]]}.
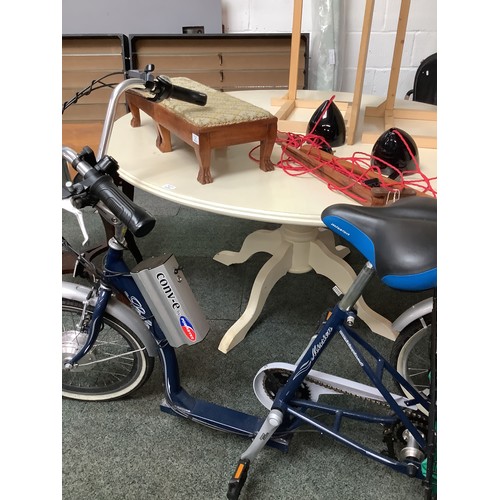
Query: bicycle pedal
{"points": [[237, 482]]}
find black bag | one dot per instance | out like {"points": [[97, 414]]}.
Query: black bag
{"points": [[425, 84]]}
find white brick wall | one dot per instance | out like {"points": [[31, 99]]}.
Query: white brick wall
{"points": [[261, 16]]}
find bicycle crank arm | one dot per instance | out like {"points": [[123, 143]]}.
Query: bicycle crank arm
{"points": [[319, 383]]}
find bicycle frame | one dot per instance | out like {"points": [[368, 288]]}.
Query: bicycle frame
{"points": [[287, 404]]}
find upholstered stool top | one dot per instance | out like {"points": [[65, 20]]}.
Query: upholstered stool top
{"points": [[221, 108]]}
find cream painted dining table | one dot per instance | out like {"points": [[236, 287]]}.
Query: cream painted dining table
{"points": [[240, 189]]}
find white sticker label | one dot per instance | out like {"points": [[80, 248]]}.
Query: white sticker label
{"points": [[195, 138], [331, 56]]}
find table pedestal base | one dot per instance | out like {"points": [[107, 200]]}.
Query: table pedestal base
{"points": [[294, 249]]}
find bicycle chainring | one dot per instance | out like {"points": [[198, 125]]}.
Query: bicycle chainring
{"points": [[275, 379]]}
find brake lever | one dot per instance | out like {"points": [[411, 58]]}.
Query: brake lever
{"points": [[67, 205]]}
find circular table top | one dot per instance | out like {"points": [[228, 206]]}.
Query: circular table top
{"points": [[239, 187]]}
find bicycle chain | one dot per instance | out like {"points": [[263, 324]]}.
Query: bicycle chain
{"points": [[410, 413]]}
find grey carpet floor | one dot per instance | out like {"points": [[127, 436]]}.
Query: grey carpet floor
{"points": [[130, 450]]}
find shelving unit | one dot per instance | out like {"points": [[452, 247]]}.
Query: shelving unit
{"points": [[224, 62]]}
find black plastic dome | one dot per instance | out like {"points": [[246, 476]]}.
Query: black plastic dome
{"points": [[328, 124], [392, 149]]}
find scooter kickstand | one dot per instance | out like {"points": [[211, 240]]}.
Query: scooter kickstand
{"points": [[237, 481]]}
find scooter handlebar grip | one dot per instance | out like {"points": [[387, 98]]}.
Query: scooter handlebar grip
{"points": [[138, 221], [188, 95], [182, 93]]}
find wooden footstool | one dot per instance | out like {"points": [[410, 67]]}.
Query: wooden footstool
{"points": [[223, 121]]}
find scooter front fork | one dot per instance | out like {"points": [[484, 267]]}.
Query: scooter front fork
{"points": [[237, 481]]}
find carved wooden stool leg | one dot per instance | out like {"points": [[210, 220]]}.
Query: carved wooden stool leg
{"points": [[266, 148], [204, 154], [136, 115], [163, 140]]}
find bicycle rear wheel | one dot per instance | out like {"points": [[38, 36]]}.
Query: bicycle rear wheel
{"points": [[411, 354], [117, 365]]}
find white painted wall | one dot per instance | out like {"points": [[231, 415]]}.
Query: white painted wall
{"points": [[261, 16]]}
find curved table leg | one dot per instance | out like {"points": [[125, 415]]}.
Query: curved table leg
{"points": [[341, 273], [263, 240], [274, 269], [328, 239], [294, 249]]}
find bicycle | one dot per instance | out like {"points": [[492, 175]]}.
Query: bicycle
{"points": [[103, 335]]}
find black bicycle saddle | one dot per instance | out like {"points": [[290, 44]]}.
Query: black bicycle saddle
{"points": [[399, 240]]}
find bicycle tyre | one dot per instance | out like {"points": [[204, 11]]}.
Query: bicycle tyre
{"points": [[116, 366], [411, 354]]}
